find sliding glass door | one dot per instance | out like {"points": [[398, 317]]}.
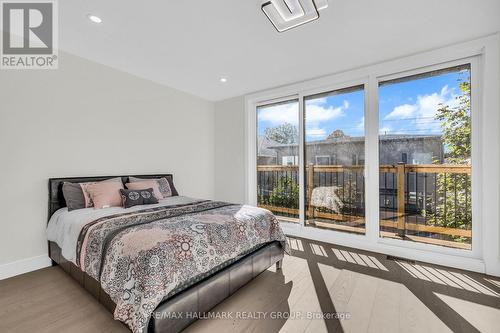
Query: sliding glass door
{"points": [[313, 156], [334, 156]]}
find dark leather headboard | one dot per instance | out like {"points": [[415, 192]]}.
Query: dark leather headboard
{"points": [[56, 198]]}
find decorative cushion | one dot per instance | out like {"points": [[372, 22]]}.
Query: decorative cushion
{"points": [[166, 185], [76, 195], [149, 183], [73, 195], [86, 195], [105, 194], [138, 197]]}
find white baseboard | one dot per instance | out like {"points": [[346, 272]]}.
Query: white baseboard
{"points": [[359, 242], [24, 266]]}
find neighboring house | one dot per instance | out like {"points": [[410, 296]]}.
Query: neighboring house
{"points": [[346, 150], [266, 156], [339, 149]]}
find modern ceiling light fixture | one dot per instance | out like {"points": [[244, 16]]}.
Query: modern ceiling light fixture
{"points": [[95, 19], [288, 14], [288, 9]]}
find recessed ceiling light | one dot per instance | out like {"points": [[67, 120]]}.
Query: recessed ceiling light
{"points": [[95, 19], [223, 79]]}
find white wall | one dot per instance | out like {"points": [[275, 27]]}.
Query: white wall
{"points": [[230, 150], [87, 119]]}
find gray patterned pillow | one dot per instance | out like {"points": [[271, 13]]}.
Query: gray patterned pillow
{"points": [[132, 198], [166, 186]]}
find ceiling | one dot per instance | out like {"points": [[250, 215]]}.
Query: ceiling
{"points": [[189, 45]]}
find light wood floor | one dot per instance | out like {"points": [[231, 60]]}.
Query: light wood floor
{"points": [[378, 295]]}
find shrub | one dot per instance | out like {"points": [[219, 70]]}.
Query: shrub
{"points": [[285, 193]]}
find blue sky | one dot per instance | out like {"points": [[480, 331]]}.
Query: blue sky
{"points": [[405, 108]]}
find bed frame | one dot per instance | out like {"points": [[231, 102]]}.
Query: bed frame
{"points": [[198, 298]]}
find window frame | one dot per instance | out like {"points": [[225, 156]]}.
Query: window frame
{"points": [[476, 157], [483, 55], [322, 156], [303, 95]]}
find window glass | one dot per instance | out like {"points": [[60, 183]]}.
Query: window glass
{"points": [[425, 158], [335, 187], [278, 159]]}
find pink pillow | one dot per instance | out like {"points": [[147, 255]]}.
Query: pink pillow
{"points": [[105, 194], [143, 184], [86, 195]]}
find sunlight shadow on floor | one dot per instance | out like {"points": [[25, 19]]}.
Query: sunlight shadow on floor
{"points": [[484, 318], [446, 277], [295, 244], [358, 258], [318, 250]]}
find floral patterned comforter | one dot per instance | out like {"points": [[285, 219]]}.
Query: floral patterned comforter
{"points": [[144, 257]]}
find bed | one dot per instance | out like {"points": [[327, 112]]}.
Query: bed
{"points": [[181, 256]]}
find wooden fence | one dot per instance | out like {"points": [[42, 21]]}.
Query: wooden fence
{"points": [[406, 192]]}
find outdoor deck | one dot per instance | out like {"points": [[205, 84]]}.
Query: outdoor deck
{"points": [[415, 200]]}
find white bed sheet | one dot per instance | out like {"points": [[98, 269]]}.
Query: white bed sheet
{"points": [[64, 227]]}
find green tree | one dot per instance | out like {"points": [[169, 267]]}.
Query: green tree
{"points": [[285, 133], [456, 126], [453, 207]]}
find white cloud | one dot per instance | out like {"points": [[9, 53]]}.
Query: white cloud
{"points": [[404, 111], [361, 124], [425, 106], [316, 133], [423, 111], [279, 114], [385, 130], [316, 113], [317, 101]]}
